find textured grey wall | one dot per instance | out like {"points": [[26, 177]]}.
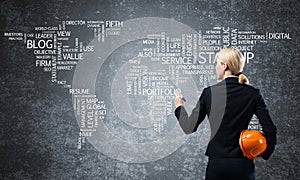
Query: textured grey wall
{"points": [[39, 130]]}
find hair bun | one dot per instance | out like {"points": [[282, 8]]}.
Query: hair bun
{"points": [[242, 78]]}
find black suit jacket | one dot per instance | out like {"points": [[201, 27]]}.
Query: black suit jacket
{"points": [[229, 107]]}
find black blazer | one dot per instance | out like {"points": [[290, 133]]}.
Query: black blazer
{"points": [[229, 107]]}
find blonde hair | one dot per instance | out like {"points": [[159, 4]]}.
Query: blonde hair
{"points": [[235, 62]]}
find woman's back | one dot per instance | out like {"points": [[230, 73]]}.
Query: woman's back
{"points": [[230, 107]]}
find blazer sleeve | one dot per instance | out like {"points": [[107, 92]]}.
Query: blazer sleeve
{"points": [[268, 127], [189, 124]]}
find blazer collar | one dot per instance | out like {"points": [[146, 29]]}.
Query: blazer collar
{"points": [[232, 79]]}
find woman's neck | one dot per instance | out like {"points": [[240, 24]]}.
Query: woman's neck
{"points": [[228, 74]]}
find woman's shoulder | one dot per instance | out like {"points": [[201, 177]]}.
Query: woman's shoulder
{"points": [[252, 87]]}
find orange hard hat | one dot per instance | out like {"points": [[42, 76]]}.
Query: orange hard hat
{"points": [[252, 143]]}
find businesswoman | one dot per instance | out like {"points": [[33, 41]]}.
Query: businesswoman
{"points": [[229, 105]]}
